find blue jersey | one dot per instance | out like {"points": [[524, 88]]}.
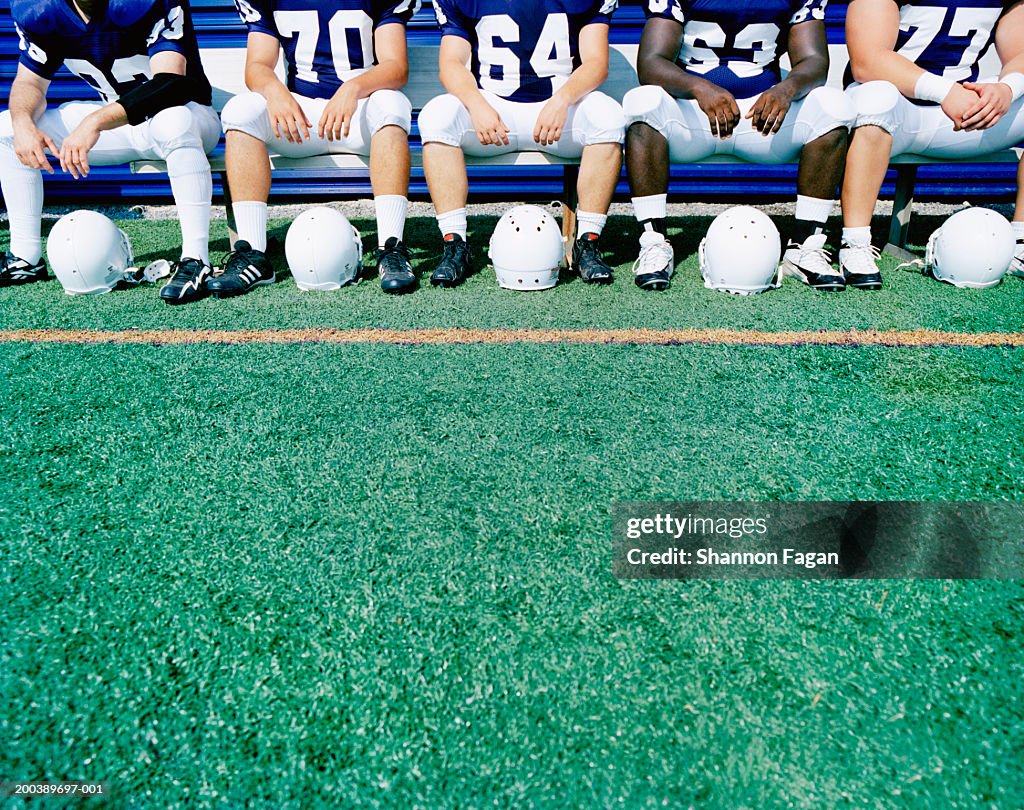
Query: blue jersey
{"points": [[325, 42], [523, 51], [112, 51], [948, 37], [736, 45]]}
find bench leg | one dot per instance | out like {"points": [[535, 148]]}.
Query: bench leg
{"points": [[570, 201], [902, 208], [232, 233]]}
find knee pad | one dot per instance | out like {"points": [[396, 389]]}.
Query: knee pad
{"points": [[437, 120], [6, 127], [875, 104], [831, 109], [245, 113], [174, 128], [388, 108], [640, 105], [601, 119]]}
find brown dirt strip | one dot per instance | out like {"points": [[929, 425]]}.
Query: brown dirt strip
{"points": [[921, 338]]}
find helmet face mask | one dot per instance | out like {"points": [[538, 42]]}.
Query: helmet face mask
{"points": [[88, 253], [527, 249], [973, 249], [741, 252], [323, 249]]}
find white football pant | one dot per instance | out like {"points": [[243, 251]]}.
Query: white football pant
{"points": [[690, 139], [925, 130], [597, 118], [248, 113], [181, 136]]}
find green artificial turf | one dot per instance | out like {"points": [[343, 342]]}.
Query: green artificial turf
{"points": [[909, 301], [378, 576]]}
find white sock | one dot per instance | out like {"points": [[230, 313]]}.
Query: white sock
{"points": [[251, 224], [811, 209], [653, 207], [23, 193], [1018, 231], [587, 222], [453, 222], [857, 237], [391, 211], [192, 186]]}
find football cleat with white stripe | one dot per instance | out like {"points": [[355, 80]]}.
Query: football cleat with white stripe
{"points": [[245, 269], [15, 271], [187, 282]]}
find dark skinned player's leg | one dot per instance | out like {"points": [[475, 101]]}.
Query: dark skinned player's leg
{"points": [[822, 163], [647, 167], [647, 170]]}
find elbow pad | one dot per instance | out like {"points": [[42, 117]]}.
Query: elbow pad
{"points": [[163, 91]]}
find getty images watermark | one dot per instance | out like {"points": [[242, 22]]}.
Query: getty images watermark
{"points": [[818, 540]]}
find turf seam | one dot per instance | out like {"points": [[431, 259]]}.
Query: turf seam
{"points": [[919, 338]]}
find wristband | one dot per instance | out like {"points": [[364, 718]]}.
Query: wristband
{"points": [[1015, 81], [933, 88]]}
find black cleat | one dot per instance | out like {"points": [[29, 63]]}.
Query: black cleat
{"points": [[811, 263], [244, 269], [187, 282], [15, 271], [588, 261], [455, 262], [394, 268]]}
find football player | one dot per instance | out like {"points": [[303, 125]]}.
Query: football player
{"points": [[712, 84], [141, 57], [532, 86], [346, 64], [917, 90]]}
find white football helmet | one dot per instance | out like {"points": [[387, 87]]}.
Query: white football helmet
{"points": [[323, 249], [89, 254], [741, 252], [527, 249], [973, 248]]}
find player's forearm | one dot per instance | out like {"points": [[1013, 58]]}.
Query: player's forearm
{"points": [[263, 80], [806, 75], [27, 103], [658, 70], [887, 66], [1015, 65], [585, 79], [458, 81], [110, 116], [388, 75]]}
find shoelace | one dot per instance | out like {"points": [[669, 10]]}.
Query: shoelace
{"points": [[455, 251], [862, 260], [188, 268], [235, 262], [654, 256], [388, 256], [819, 256]]}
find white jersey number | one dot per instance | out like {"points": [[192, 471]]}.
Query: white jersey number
{"points": [[762, 39], [122, 71], [552, 58], [927, 21], [305, 27]]}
